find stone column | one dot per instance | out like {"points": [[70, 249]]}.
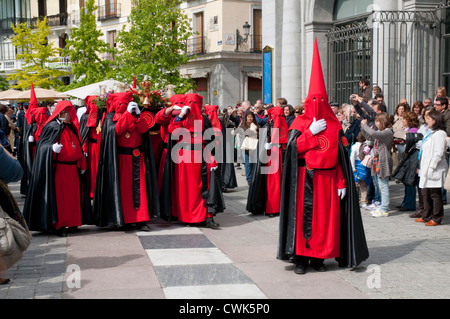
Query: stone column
{"points": [[291, 55]]}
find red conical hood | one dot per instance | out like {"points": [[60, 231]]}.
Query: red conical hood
{"points": [[324, 156], [33, 104]]}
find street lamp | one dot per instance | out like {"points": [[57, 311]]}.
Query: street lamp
{"points": [[239, 38]]}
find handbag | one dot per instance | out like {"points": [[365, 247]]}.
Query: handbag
{"points": [[249, 143], [12, 235], [447, 181]]}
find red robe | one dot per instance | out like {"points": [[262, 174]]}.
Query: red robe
{"points": [[278, 139], [67, 181], [188, 204], [129, 132], [325, 234], [164, 122], [92, 144], [40, 116]]}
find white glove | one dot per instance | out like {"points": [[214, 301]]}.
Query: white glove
{"points": [[317, 126], [185, 109], [133, 107], [57, 147], [31, 139], [342, 192], [268, 146], [213, 168], [83, 171], [177, 107], [85, 154]]}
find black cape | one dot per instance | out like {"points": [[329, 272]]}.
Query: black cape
{"points": [[24, 155], [353, 248], [107, 197], [257, 192], [226, 170], [40, 210]]}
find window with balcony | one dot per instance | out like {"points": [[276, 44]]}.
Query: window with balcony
{"points": [[110, 10]]}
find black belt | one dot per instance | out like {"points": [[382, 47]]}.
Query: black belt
{"points": [[136, 151], [92, 140], [67, 163]]}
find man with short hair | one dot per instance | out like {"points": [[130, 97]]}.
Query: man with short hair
{"points": [[427, 102], [441, 105], [364, 90]]}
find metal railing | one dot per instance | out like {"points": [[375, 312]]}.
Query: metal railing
{"points": [[196, 45], [256, 43], [109, 11]]}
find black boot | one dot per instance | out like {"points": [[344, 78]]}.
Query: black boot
{"points": [[142, 226], [61, 232], [210, 223], [301, 263], [318, 265]]}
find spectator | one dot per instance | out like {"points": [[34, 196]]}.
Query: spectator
{"points": [[427, 102], [411, 125], [365, 90], [433, 169], [422, 130], [10, 171], [289, 114], [248, 132], [382, 160], [299, 110], [417, 109], [379, 97], [399, 133], [335, 107], [376, 90], [361, 172], [352, 131]]}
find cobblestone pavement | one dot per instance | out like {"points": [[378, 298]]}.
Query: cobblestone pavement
{"points": [[407, 260]]}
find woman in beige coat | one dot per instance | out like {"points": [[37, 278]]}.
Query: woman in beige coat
{"points": [[433, 169]]}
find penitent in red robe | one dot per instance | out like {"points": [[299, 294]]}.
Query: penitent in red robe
{"points": [[67, 181], [129, 132], [279, 133], [92, 143]]}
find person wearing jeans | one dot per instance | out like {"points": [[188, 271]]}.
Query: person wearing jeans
{"points": [[383, 161]]}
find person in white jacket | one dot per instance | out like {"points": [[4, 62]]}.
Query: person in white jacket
{"points": [[433, 169]]}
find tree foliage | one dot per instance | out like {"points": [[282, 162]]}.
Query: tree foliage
{"points": [[87, 51], [37, 55], [154, 44]]}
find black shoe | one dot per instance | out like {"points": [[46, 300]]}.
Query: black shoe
{"points": [[273, 215], [210, 223], [318, 265], [300, 267], [142, 226], [62, 232]]}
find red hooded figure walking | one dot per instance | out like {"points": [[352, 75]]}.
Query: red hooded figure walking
{"points": [[197, 196], [126, 190], [164, 117], [57, 197], [319, 212], [90, 136]]}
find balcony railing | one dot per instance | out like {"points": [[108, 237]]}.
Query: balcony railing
{"points": [[196, 45], [5, 24], [109, 11], [256, 43], [52, 21]]}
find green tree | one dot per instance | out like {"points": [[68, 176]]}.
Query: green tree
{"points": [[154, 44], [4, 85], [86, 50], [37, 55]]}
